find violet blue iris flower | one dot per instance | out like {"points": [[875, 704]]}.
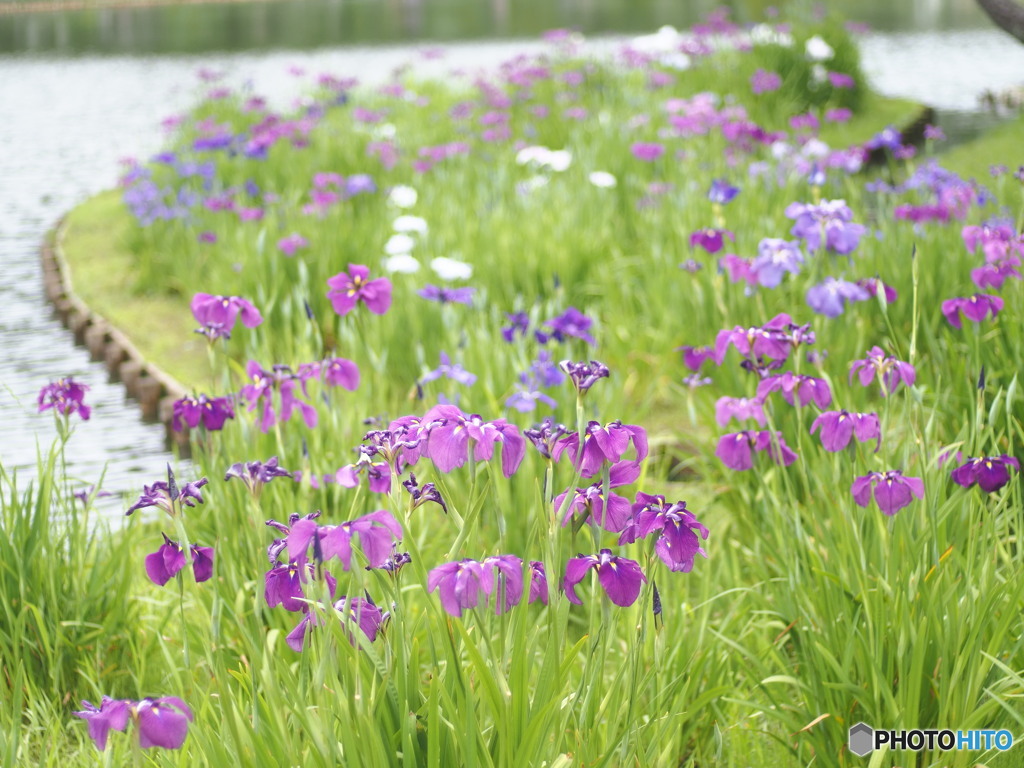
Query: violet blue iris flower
{"points": [[166, 562], [775, 257], [736, 450], [211, 412], [362, 612], [570, 324], [888, 369], [892, 490], [839, 427], [64, 396], [679, 543], [990, 472], [217, 314], [975, 308], [449, 439], [455, 372], [829, 297], [519, 324], [447, 295], [601, 444], [831, 220], [722, 192], [423, 494], [377, 532], [620, 577], [350, 288], [711, 240]]}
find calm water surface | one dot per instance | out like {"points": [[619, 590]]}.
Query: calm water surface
{"points": [[80, 90]]}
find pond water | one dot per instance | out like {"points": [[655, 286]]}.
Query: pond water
{"points": [[81, 89]]}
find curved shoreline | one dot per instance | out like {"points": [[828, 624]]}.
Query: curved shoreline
{"points": [[153, 389]]}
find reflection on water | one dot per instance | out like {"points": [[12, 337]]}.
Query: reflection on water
{"points": [[304, 24]]}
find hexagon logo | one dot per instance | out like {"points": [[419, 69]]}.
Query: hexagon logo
{"points": [[862, 739]]}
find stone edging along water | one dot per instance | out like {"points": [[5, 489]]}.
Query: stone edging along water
{"points": [[154, 390]]}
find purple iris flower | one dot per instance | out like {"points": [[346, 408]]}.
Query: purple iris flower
{"points": [[283, 585], [976, 308], [736, 450], [525, 398], [873, 285], [447, 295], [465, 584], [892, 490], [362, 612], [211, 412], [572, 323], [612, 513], [111, 714], [545, 435], [722, 192], [377, 531], [711, 240], [831, 219], [602, 444], [217, 314], [694, 357], [839, 427], [776, 339], [455, 372], [423, 494], [339, 372], [350, 288], [990, 472], [763, 81], [888, 138], [888, 369], [290, 244], [260, 389], [538, 582], [519, 324], [87, 495], [584, 375], [678, 544], [620, 577], [65, 396], [164, 564], [830, 296], [401, 443], [256, 474], [448, 443], [358, 184], [797, 389], [167, 497], [740, 408], [378, 474], [775, 257]]}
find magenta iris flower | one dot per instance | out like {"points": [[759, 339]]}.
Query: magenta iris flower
{"points": [[601, 444], [990, 472], [736, 450], [64, 396], [450, 436], [378, 474], [741, 409], [763, 81], [711, 240], [211, 412], [892, 490], [166, 562], [873, 285], [377, 531], [796, 389], [217, 315], [160, 722], [647, 151], [680, 530], [839, 427], [260, 389], [888, 369], [776, 339], [350, 288], [357, 610], [290, 244], [975, 308], [620, 577], [467, 583]]}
